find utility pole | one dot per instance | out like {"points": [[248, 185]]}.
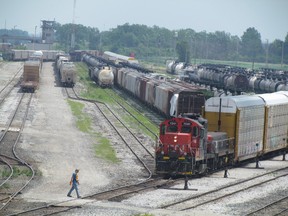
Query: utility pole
{"points": [[73, 27], [34, 38], [267, 52], [282, 54]]}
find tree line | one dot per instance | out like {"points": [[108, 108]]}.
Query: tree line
{"points": [[184, 45]]}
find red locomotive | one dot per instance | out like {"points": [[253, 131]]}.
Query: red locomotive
{"points": [[186, 147]]}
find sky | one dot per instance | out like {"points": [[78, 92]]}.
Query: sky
{"points": [[268, 17]]}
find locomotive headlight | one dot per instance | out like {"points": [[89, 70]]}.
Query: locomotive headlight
{"points": [[162, 152], [185, 153], [175, 139]]}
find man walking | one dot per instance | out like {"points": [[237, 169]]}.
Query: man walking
{"points": [[74, 182]]}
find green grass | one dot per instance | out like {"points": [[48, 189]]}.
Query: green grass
{"points": [[245, 64], [92, 90], [17, 172], [160, 66], [96, 93], [103, 148], [83, 121]]}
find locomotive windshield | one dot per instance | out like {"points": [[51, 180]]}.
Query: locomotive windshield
{"points": [[186, 129], [172, 128]]}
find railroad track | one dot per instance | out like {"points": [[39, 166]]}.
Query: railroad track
{"points": [[9, 158], [142, 108], [118, 193], [226, 191], [135, 145], [278, 207], [9, 86], [127, 103]]}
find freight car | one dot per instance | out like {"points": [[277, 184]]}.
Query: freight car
{"points": [[24, 55], [166, 97], [241, 128], [104, 76], [101, 73], [260, 84], [117, 58], [174, 67], [221, 77], [31, 75], [67, 74]]}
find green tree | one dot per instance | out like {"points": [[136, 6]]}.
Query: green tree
{"points": [[251, 44], [183, 51]]}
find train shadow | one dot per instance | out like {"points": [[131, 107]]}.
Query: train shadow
{"points": [[56, 74]]}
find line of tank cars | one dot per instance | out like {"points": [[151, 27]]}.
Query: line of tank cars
{"points": [[166, 96], [233, 79], [234, 129]]}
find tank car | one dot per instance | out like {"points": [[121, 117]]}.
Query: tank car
{"points": [[179, 68], [100, 72], [252, 80], [104, 76], [282, 87], [237, 83], [170, 67]]}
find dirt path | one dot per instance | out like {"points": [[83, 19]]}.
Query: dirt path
{"points": [[56, 146]]}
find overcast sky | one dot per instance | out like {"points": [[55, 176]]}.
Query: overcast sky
{"points": [[269, 17]]}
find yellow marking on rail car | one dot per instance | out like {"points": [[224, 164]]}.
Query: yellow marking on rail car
{"points": [[166, 158], [186, 173], [181, 158]]}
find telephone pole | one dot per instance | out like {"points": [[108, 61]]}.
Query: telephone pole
{"points": [[73, 27]]}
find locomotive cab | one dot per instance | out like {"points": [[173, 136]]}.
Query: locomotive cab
{"points": [[181, 145]]}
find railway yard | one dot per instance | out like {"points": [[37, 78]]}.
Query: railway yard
{"points": [[48, 146]]}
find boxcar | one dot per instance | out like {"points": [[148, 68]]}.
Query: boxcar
{"points": [[31, 75]]}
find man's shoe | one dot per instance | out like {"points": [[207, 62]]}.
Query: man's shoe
{"points": [[69, 196], [79, 197]]}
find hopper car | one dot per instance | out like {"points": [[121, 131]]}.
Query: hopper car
{"points": [[67, 74], [232, 130], [66, 70]]}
